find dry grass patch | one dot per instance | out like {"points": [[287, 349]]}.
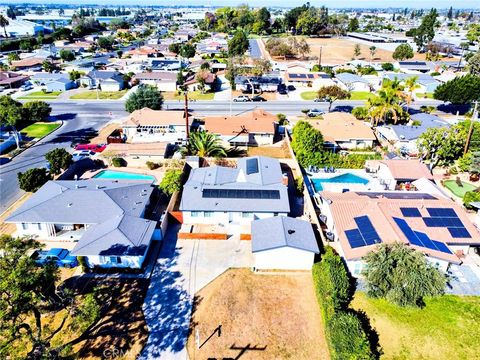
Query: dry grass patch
{"points": [[276, 313], [277, 152], [8, 229]]}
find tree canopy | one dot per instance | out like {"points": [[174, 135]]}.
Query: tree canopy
{"points": [[171, 182], [36, 110], [426, 31], [403, 52], [33, 179], [333, 93], [461, 90], [401, 275], [59, 159], [145, 96], [11, 111], [204, 144], [238, 44], [442, 145]]}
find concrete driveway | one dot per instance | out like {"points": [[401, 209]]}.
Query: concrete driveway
{"points": [[184, 267]]}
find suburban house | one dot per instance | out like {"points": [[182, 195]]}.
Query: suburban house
{"points": [[226, 196], [11, 80], [395, 174], [404, 137], [167, 65], [425, 82], [411, 66], [314, 79], [28, 64], [267, 82], [62, 213], [343, 131], [163, 80], [143, 52], [103, 80], [357, 221], [147, 125], [53, 81], [209, 78], [254, 128], [352, 82], [282, 242]]}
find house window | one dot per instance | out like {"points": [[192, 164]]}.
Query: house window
{"points": [[196, 213], [115, 259], [275, 214], [247, 215], [39, 226], [24, 226], [208, 214]]}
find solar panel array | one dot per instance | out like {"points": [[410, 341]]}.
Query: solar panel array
{"points": [[364, 235], [301, 76], [446, 217], [410, 212], [240, 194], [419, 238]]}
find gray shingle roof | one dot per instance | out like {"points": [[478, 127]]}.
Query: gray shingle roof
{"points": [[282, 231], [268, 177], [348, 78], [408, 132]]}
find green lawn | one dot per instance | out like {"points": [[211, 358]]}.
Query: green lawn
{"points": [[192, 95], [102, 95], [361, 95], [427, 95], [309, 95], [446, 328], [39, 129], [40, 95], [458, 190]]}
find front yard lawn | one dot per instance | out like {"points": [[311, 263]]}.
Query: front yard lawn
{"points": [[102, 95], [361, 95], [446, 328], [276, 313], [425, 95], [192, 95], [40, 95], [458, 190], [39, 129], [309, 95]]}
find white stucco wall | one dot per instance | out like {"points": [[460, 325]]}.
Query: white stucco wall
{"points": [[285, 258], [132, 262], [34, 229], [224, 218]]}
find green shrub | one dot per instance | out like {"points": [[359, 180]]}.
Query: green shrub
{"points": [[118, 162], [416, 123], [82, 260], [282, 119], [347, 337], [171, 182], [465, 162], [470, 196], [151, 165], [360, 112], [299, 186]]}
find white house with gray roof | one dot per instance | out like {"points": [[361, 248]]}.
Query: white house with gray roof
{"points": [[224, 196], [103, 220], [283, 243]]}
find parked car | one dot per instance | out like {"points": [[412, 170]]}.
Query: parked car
{"points": [[82, 154], [60, 257], [78, 141], [291, 88], [26, 87], [98, 148], [282, 89], [258, 98], [242, 98], [320, 99], [315, 113]]}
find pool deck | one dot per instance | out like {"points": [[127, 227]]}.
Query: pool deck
{"points": [[372, 185], [158, 175]]}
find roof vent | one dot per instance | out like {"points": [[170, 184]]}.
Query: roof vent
{"points": [[69, 204], [97, 186], [290, 232]]}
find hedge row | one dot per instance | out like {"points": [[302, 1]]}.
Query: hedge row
{"points": [[345, 333]]}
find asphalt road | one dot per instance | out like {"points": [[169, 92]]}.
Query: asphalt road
{"points": [[83, 118]]}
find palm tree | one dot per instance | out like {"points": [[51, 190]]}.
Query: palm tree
{"points": [[411, 84], [204, 144], [387, 103], [4, 23]]}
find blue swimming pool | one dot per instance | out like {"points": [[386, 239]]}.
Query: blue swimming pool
{"points": [[121, 175], [346, 178]]}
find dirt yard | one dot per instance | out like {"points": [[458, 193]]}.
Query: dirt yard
{"points": [[261, 317]]}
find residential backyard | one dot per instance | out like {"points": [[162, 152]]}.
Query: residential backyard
{"points": [[446, 328], [261, 317], [40, 95], [101, 95], [457, 189], [39, 129]]}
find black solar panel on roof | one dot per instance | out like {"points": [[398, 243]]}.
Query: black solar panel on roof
{"points": [[365, 234], [410, 212], [310, 76], [252, 166], [240, 194], [398, 195]]}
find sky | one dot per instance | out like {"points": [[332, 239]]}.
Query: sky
{"points": [[287, 3]]}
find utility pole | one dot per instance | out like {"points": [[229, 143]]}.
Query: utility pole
{"points": [[185, 93], [470, 131], [320, 58]]}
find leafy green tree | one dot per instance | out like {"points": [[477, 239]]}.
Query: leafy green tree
{"points": [[402, 275], [67, 55], [12, 57], [426, 31], [59, 159], [48, 66], [36, 110], [106, 42], [11, 111], [373, 51], [403, 52], [388, 66], [3, 24], [442, 145], [145, 96], [461, 90], [204, 144], [450, 13], [187, 51], [33, 179], [307, 143], [175, 48], [473, 33], [238, 44], [262, 21], [332, 93], [353, 25], [171, 182], [386, 106], [357, 50], [474, 64], [313, 21]]}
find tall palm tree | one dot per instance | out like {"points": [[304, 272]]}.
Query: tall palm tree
{"points": [[411, 84], [204, 144], [387, 103], [3, 24]]}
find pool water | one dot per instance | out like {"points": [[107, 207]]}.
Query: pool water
{"points": [[121, 175], [346, 178]]}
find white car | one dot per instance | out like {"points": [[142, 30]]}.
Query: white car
{"points": [[242, 98], [26, 87], [82, 154]]}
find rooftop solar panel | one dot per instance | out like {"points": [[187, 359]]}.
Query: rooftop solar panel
{"points": [[410, 212], [252, 166], [241, 194], [442, 212], [459, 232]]}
